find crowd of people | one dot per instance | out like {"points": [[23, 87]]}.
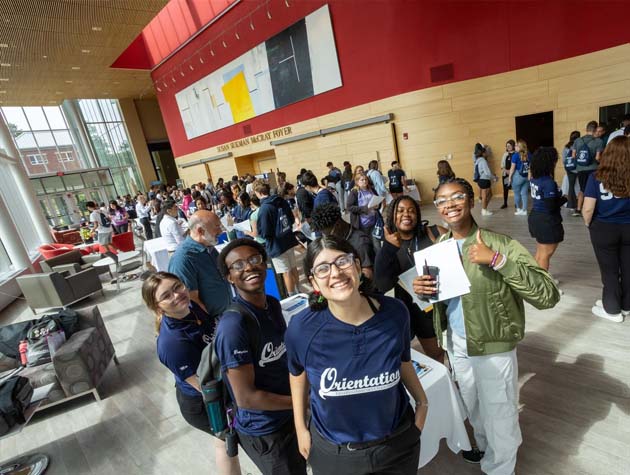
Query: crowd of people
{"points": [[331, 388]]}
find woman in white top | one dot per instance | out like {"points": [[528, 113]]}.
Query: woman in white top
{"points": [[170, 228]]}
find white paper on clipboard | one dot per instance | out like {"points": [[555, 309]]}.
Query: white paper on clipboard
{"points": [[453, 281], [375, 201]]}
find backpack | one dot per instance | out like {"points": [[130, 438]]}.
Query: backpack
{"points": [[105, 221], [38, 351], [379, 225], [476, 175], [211, 377], [15, 396], [584, 155], [283, 225], [569, 161]]}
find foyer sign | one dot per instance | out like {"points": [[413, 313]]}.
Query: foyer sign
{"points": [[272, 134]]}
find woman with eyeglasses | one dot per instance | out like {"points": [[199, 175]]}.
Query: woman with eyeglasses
{"points": [[350, 353], [254, 366], [184, 329], [405, 234], [484, 326]]}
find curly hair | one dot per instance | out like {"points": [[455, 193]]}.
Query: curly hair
{"points": [[391, 214], [457, 181], [223, 268], [325, 216], [614, 167], [543, 162]]}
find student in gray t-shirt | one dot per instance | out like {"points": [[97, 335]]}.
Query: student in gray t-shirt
{"points": [[595, 146]]}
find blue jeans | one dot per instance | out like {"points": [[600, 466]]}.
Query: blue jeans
{"points": [[520, 187]]}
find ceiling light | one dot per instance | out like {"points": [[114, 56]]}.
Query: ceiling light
{"points": [[224, 44], [4, 79], [58, 92], [237, 36], [52, 102], [191, 67], [3, 92], [97, 28], [106, 93], [86, 51], [76, 68], [45, 57], [4, 45], [159, 90], [5, 65], [251, 25], [200, 59], [116, 82], [68, 82]]}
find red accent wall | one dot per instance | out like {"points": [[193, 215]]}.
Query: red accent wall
{"points": [[387, 47]]}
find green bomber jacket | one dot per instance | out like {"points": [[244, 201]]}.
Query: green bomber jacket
{"points": [[494, 313]]}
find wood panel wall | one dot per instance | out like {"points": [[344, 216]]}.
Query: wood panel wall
{"points": [[450, 119]]}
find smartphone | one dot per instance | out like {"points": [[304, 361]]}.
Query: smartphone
{"points": [[434, 272]]}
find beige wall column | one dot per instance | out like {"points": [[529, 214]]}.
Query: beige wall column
{"points": [[138, 141]]}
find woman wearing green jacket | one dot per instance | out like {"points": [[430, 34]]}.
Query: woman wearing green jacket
{"points": [[483, 327]]}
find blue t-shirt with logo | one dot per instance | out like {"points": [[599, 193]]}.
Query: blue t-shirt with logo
{"points": [[233, 347], [356, 390], [521, 167], [608, 208], [541, 189], [180, 343]]}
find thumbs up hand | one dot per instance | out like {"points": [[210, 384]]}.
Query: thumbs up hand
{"points": [[392, 238], [479, 253]]}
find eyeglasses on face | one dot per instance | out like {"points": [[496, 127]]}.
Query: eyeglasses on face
{"points": [[455, 198], [168, 296], [241, 264], [321, 271]]}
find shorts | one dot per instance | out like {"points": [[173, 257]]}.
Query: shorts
{"points": [[396, 189], [484, 184], [583, 178], [193, 411], [276, 453], [104, 238], [545, 228], [284, 262], [421, 324]]}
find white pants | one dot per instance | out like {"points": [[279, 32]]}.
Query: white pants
{"points": [[489, 389]]}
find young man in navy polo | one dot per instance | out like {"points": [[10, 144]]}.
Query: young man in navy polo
{"points": [[255, 366]]}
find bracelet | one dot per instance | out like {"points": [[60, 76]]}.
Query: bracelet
{"points": [[501, 263], [494, 259]]}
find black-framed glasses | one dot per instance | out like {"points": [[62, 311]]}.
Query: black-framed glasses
{"points": [[241, 264], [168, 296], [455, 198], [321, 271]]}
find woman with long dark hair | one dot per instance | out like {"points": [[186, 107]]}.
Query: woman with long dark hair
{"points": [[506, 164], [606, 211], [405, 234], [350, 352], [119, 217], [481, 329], [184, 330]]}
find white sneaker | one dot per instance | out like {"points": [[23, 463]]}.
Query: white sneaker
{"points": [[600, 304], [523, 212], [601, 313], [517, 212], [485, 212]]}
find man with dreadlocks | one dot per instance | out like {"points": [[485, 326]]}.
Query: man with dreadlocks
{"points": [[406, 233], [326, 219]]}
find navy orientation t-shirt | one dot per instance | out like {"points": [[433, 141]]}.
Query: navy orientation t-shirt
{"points": [[271, 374], [180, 343], [395, 178], [543, 188], [356, 392], [608, 208]]}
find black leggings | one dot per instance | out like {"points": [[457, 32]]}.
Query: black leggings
{"points": [[611, 243], [506, 191], [146, 223]]}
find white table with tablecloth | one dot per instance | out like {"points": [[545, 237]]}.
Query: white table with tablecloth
{"points": [[157, 253], [445, 419]]}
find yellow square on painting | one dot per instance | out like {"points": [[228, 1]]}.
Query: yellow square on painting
{"points": [[236, 94]]}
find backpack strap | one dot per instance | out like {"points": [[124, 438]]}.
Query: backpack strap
{"points": [[251, 323]]}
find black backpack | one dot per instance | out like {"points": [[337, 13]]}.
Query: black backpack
{"points": [[105, 221], [209, 369], [283, 224], [584, 156], [15, 396]]}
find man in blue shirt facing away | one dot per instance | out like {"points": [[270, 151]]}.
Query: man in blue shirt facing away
{"points": [[195, 263], [255, 366]]}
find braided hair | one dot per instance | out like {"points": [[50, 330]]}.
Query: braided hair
{"points": [[391, 215], [458, 181]]}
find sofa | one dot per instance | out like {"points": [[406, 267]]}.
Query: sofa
{"points": [[78, 366], [72, 262], [58, 290], [66, 236]]}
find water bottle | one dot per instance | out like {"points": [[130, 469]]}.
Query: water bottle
{"points": [[212, 393], [23, 348]]}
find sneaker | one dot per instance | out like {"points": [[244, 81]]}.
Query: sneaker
{"points": [[504, 206], [521, 212], [517, 212], [485, 212], [576, 213], [473, 456], [601, 313], [600, 304]]}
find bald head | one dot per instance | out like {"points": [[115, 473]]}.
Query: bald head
{"points": [[204, 226]]}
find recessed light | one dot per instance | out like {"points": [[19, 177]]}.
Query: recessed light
{"points": [[4, 79], [3, 92], [5, 65], [86, 51], [68, 82], [76, 68], [4, 45], [45, 57], [97, 28]]}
